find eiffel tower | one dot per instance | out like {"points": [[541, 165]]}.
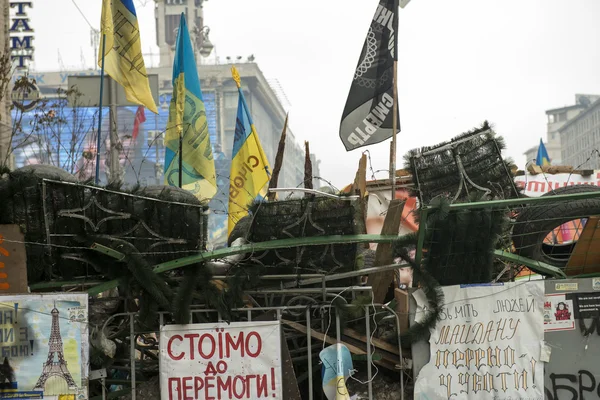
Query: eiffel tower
{"points": [[55, 365]]}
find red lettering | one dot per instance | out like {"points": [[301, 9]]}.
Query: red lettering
{"points": [[198, 385], [170, 351], [273, 379], [208, 385], [191, 336], [201, 346], [186, 387], [248, 384], [239, 379], [224, 386], [258, 344], [210, 369], [221, 367], [261, 385], [177, 388], [234, 345]]}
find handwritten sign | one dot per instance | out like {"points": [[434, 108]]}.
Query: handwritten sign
{"points": [[13, 265], [241, 360], [487, 344]]}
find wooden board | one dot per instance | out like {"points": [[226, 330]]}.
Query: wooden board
{"points": [[380, 282], [402, 306], [329, 340], [290, 388], [13, 260], [585, 258]]}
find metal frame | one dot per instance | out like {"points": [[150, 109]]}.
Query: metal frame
{"points": [[307, 310], [534, 265]]}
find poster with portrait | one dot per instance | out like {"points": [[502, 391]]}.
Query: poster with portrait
{"points": [[559, 314]]}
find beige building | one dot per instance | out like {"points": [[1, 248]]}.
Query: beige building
{"points": [[557, 118], [580, 137]]}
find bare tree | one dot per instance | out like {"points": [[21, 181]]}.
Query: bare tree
{"points": [[60, 131]]}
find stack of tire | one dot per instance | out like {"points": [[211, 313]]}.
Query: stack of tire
{"points": [[173, 230], [534, 223]]}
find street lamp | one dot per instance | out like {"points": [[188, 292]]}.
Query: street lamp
{"points": [[205, 46]]}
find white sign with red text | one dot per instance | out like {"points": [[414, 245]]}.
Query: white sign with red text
{"points": [[240, 360], [537, 185]]}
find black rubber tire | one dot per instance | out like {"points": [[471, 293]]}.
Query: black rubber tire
{"points": [[172, 193], [240, 230], [42, 171], [534, 223]]}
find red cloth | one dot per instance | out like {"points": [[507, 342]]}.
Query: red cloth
{"points": [[140, 118]]}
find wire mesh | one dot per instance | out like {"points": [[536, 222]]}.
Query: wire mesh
{"points": [[514, 239], [307, 328]]}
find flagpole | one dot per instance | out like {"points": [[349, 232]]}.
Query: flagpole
{"points": [[394, 130], [99, 136], [181, 159]]}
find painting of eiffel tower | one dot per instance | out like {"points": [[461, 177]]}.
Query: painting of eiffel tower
{"points": [[55, 364]]}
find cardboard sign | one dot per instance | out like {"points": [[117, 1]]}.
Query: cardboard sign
{"points": [[486, 344], [13, 260], [240, 360]]}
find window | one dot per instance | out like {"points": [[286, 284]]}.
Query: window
{"points": [[562, 116], [171, 26], [551, 118]]}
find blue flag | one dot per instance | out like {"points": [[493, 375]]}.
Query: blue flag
{"points": [[187, 143], [542, 155]]}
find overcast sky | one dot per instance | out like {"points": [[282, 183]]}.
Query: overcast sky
{"points": [[460, 62]]}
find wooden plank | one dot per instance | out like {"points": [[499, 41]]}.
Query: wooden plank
{"points": [[378, 343], [289, 388], [13, 260], [360, 181], [534, 169], [402, 307], [380, 282], [585, 258], [329, 340]]}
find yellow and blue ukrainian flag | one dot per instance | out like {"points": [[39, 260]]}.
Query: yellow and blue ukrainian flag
{"points": [[123, 59], [187, 127], [249, 165], [542, 155]]}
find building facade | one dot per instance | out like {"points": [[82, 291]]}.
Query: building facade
{"points": [[557, 118], [580, 138]]}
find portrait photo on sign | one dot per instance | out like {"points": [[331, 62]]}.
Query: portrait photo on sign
{"points": [[559, 314]]}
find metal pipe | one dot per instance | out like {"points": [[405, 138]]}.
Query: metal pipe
{"points": [[132, 353], [344, 275], [309, 344], [369, 361], [99, 136], [313, 191]]}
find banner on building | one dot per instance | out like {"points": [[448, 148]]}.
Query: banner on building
{"points": [[487, 344], [240, 360], [539, 184], [44, 346]]}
